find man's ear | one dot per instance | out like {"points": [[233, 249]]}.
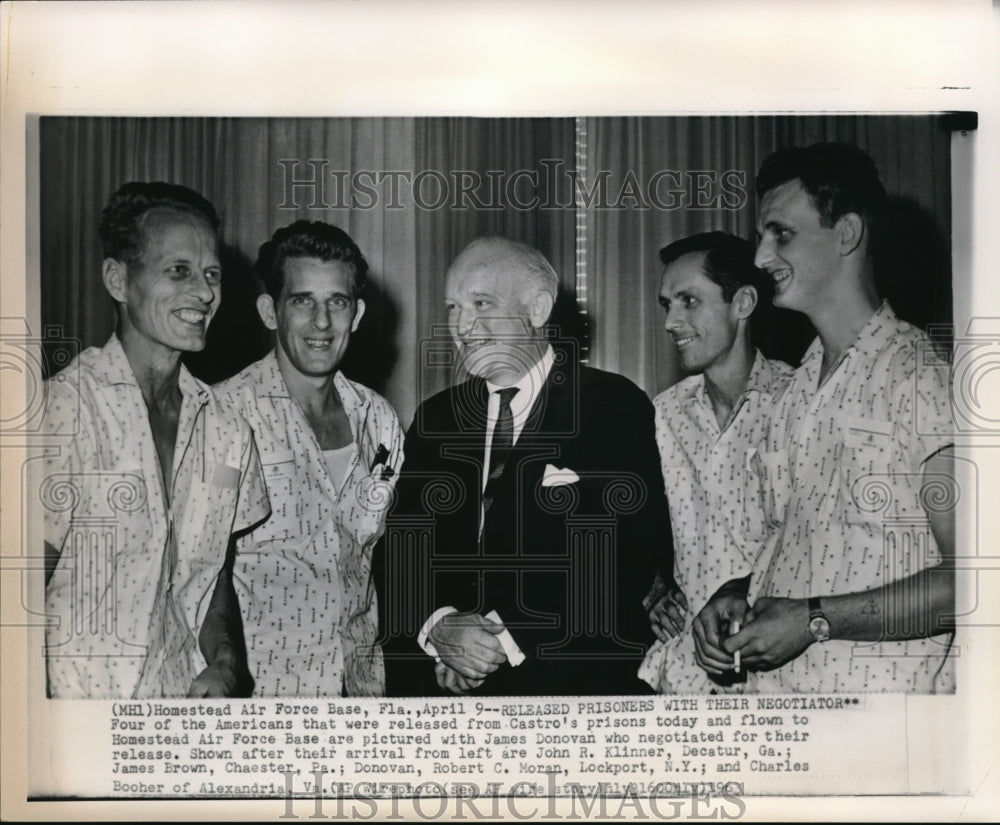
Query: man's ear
{"points": [[114, 273], [852, 231], [359, 312], [745, 302], [265, 309], [539, 309]]}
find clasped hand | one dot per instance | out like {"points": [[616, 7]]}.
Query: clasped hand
{"points": [[668, 614], [468, 649]]}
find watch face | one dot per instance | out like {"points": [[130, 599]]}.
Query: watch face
{"points": [[820, 628]]}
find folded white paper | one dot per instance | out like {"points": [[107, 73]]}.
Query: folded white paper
{"points": [[514, 654]]}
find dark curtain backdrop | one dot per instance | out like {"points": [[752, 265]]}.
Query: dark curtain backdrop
{"points": [[716, 158], [513, 151], [257, 171]]}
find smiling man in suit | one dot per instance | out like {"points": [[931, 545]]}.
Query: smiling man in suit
{"points": [[539, 559]]}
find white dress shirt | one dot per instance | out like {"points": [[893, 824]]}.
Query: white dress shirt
{"points": [[529, 388]]}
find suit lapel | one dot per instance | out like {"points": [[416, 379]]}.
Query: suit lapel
{"points": [[467, 426], [470, 402], [555, 409]]}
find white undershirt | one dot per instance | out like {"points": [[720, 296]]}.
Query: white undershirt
{"points": [[338, 462]]}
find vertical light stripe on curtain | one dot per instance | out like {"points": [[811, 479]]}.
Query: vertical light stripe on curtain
{"points": [[912, 153], [582, 302], [243, 165]]}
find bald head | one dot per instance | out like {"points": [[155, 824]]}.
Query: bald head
{"points": [[514, 261]]}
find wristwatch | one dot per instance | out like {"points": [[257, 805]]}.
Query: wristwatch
{"points": [[819, 627]]}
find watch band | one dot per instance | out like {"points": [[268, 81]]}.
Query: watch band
{"points": [[819, 625]]}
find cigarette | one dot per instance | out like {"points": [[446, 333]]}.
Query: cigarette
{"points": [[734, 627]]}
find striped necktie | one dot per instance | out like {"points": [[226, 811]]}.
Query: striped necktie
{"points": [[500, 446]]}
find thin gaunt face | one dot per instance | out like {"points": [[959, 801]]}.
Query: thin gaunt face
{"points": [[316, 314], [700, 322], [174, 290]]}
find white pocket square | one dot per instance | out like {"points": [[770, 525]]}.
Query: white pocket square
{"points": [[555, 476]]}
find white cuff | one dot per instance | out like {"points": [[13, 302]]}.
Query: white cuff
{"points": [[514, 654], [422, 640]]}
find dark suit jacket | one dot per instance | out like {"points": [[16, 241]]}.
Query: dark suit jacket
{"points": [[566, 566]]}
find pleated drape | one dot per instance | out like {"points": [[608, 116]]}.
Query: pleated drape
{"points": [[648, 181], [695, 174]]}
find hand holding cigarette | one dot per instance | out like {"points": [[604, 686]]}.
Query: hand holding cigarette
{"points": [[734, 628]]}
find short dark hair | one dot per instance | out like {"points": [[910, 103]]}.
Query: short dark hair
{"points": [[308, 239], [838, 177], [123, 218], [728, 260]]}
